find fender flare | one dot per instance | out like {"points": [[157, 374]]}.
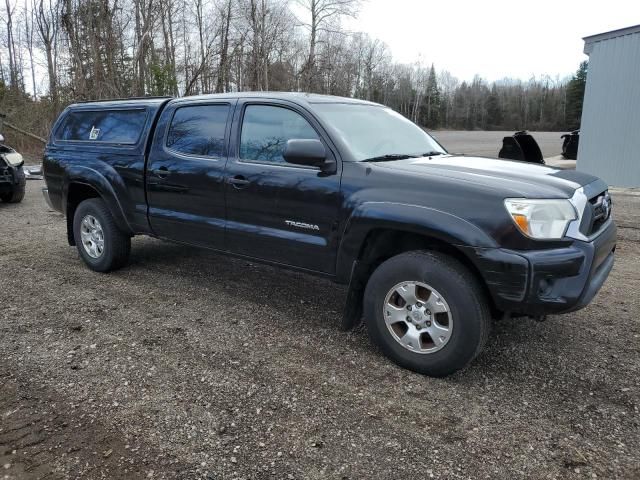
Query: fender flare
{"points": [[421, 220], [371, 216], [97, 180]]}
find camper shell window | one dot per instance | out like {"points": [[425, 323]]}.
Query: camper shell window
{"points": [[122, 127]]}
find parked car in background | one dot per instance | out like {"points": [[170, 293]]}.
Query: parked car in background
{"points": [[431, 245], [570, 142], [12, 177]]}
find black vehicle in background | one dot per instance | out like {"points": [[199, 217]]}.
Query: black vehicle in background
{"points": [[12, 177], [521, 146], [432, 246], [570, 143]]}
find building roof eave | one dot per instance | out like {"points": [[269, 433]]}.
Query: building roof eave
{"points": [[599, 37]]}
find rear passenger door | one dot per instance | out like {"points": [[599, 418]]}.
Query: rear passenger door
{"points": [[185, 173], [278, 211]]}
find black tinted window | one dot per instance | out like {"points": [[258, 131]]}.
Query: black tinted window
{"points": [[199, 130], [110, 126], [266, 129]]}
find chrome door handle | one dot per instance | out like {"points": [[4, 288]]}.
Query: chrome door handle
{"points": [[238, 181], [162, 172]]}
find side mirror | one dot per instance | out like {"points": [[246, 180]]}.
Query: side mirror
{"points": [[308, 152]]}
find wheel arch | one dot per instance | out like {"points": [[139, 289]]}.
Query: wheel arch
{"points": [[80, 188], [370, 240], [382, 244]]}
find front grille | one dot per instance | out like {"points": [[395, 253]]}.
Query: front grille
{"points": [[5, 173], [597, 212]]}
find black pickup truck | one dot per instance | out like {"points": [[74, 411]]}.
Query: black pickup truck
{"points": [[431, 245]]}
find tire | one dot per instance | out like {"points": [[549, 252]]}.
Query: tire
{"points": [[14, 196], [452, 287], [116, 244]]}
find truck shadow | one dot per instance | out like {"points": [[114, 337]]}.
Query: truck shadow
{"points": [[317, 300]]}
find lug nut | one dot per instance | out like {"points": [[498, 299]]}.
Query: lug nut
{"points": [[428, 312], [408, 318], [409, 307], [418, 327], [418, 304], [428, 324]]}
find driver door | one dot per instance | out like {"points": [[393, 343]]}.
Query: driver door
{"points": [[278, 211]]}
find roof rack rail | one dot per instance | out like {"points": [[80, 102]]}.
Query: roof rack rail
{"points": [[150, 97]]}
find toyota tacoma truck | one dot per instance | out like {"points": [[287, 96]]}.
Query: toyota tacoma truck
{"points": [[431, 246]]}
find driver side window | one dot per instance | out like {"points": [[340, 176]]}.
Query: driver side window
{"points": [[266, 130]]}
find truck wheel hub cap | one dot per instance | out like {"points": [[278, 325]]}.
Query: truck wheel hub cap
{"points": [[418, 317], [92, 236]]}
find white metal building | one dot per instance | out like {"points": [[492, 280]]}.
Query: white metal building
{"points": [[610, 128]]}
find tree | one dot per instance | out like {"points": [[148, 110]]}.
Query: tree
{"points": [[224, 73], [322, 13], [432, 100], [494, 111], [47, 17], [29, 40], [575, 97], [96, 49], [15, 70]]}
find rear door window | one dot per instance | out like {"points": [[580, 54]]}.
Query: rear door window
{"points": [[104, 126], [199, 130]]}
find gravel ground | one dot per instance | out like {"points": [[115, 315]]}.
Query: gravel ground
{"points": [[191, 365], [488, 144]]}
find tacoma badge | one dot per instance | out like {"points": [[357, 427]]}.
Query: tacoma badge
{"points": [[306, 226]]}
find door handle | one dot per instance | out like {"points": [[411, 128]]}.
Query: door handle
{"points": [[238, 181], [162, 172]]}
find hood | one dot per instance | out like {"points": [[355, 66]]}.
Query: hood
{"points": [[517, 179]]}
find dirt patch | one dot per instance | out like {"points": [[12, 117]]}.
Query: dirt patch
{"points": [[190, 365]]}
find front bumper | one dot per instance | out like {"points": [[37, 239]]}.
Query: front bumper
{"points": [[542, 282], [11, 177]]}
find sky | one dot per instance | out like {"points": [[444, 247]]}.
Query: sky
{"points": [[493, 38]]}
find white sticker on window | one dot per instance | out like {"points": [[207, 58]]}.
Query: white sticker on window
{"points": [[93, 134]]}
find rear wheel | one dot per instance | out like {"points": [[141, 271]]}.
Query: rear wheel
{"points": [[101, 244], [426, 312]]}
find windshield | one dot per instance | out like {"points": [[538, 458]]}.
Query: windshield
{"points": [[372, 131]]}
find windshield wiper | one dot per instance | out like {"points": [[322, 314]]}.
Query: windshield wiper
{"points": [[389, 157], [432, 154]]}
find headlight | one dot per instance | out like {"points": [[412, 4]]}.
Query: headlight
{"points": [[541, 219], [14, 159]]}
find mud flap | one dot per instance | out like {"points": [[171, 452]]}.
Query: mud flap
{"points": [[352, 314]]}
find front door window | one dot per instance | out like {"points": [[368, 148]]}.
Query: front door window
{"points": [[266, 130]]}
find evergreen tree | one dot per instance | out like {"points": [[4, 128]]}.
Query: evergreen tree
{"points": [[432, 100], [494, 112], [575, 97]]}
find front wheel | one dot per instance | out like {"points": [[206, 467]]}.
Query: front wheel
{"points": [[426, 312], [14, 196], [101, 244]]}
